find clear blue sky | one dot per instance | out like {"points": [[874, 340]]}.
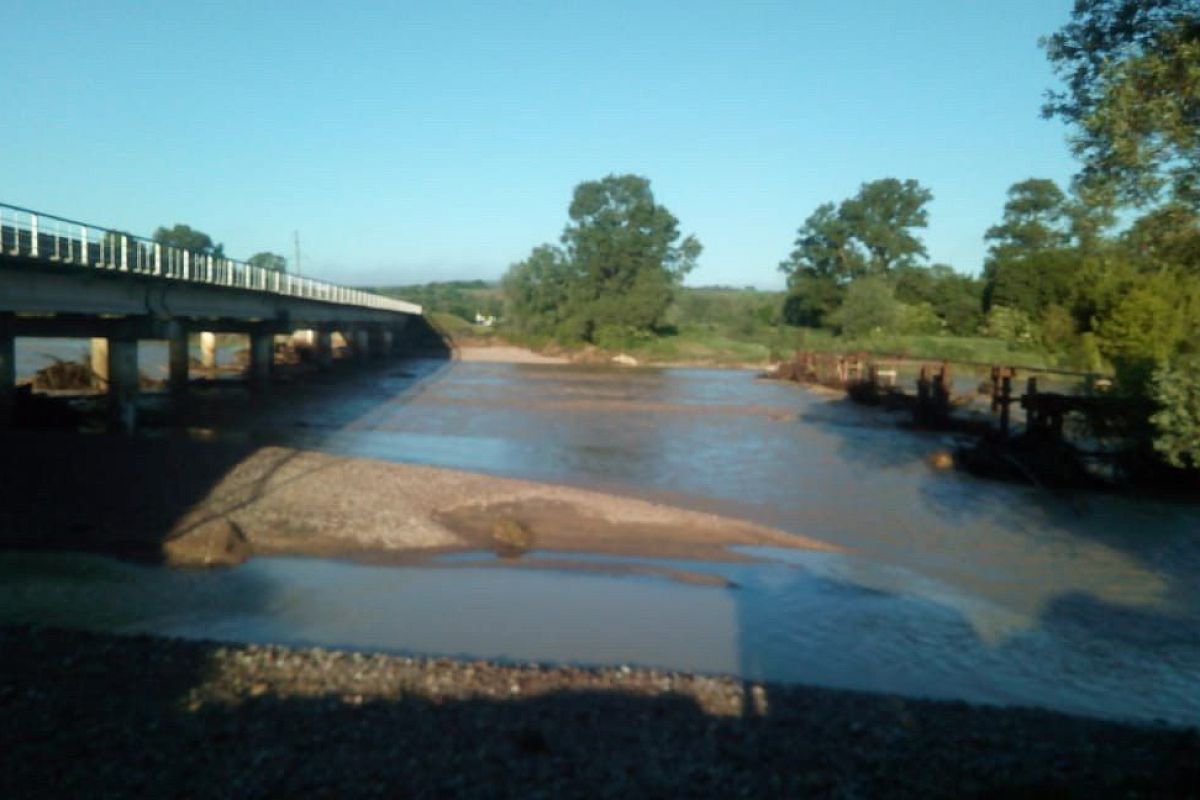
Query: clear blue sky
{"points": [[413, 142]]}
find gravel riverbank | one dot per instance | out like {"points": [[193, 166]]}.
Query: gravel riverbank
{"points": [[191, 502], [107, 716]]}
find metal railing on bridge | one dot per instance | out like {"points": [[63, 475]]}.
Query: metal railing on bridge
{"points": [[44, 237]]}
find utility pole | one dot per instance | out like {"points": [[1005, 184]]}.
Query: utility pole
{"points": [[296, 239]]}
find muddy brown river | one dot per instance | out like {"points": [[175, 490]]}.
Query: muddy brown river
{"points": [[950, 586]]}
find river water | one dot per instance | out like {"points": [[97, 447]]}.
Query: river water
{"points": [[948, 587]]}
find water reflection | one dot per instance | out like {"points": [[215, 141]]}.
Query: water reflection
{"points": [[817, 618]]}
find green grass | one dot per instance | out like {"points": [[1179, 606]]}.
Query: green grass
{"points": [[723, 344], [456, 328], [746, 343], [922, 347], [702, 344]]}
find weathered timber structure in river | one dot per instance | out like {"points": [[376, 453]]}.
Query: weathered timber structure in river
{"points": [[64, 278], [874, 380], [1107, 445]]}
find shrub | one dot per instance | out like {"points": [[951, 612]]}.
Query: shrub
{"points": [[1010, 324], [1176, 391], [1140, 333], [870, 307], [620, 337], [918, 318], [1057, 328]]}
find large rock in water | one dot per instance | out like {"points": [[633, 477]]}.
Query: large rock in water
{"points": [[216, 542], [625, 360]]}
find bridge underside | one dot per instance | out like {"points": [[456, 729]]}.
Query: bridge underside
{"points": [[115, 309]]}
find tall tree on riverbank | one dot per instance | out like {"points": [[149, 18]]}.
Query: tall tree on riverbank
{"points": [[537, 294], [271, 261], [1032, 258], [870, 234], [1132, 74], [621, 261], [1131, 70], [186, 237]]}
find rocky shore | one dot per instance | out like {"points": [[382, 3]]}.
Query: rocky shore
{"points": [[90, 715]]}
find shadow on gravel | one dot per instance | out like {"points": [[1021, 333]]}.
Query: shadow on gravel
{"points": [[101, 716]]}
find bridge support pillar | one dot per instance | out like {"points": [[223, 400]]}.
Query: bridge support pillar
{"points": [[178, 358], [208, 350], [122, 384], [262, 357], [8, 370], [323, 347], [399, 343], [99, 365], [362, 344], [379, 342]]}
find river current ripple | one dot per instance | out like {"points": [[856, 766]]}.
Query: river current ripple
{"points": [[948, 587]]}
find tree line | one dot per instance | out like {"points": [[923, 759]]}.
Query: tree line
{"points": [[187, 238], [1059, 273]]}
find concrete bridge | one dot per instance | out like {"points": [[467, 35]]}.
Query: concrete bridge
{"points": [[64, 278]]}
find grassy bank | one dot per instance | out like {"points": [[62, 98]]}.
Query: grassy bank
{"points": [[711, 326], [714, 344]]}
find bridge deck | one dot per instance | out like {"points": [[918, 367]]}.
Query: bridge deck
{"points": [[61, 277]]}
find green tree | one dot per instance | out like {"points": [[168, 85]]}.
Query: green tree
{"points": [[918, 318], [1032, 282], [271, 261], [1056, 327], [811, 299], [621, 263], [868, 234], [871, 233], [626, 253], [955, 298], [1177, 394], [1033, 259], [870, 307], [882, 216], [1009, 324], [1141, 331], [537, 292], [1036, 218], [1132, 75], [187, 238], [1167, 237]]}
